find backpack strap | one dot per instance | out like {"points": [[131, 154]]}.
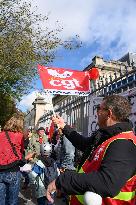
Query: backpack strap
{"points": [[12, 145]]}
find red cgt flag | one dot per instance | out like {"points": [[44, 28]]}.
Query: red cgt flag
{"points": [[64, 81]]}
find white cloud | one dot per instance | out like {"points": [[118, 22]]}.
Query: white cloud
{"points": [[73, 15], [107, 22], [26, 102]]}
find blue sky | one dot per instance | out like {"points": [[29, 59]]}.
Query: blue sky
{"points": [[106, 28]]}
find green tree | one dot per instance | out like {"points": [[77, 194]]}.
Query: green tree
{"points": [[24, 44], [7, 108]]}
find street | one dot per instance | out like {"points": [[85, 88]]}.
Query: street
{"points": [[26, 197]]}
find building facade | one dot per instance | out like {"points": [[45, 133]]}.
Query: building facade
{"points": [[40, 108]]}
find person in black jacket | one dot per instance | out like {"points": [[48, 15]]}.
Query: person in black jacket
{"points": [[119, 162]]}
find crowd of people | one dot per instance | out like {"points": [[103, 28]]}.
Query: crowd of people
{"points": [[106, 169]]}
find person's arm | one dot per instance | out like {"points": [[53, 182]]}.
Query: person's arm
{"points": [[68, 152], [74, 137], [30, 147], [118, 165], [30, 152], [80, 142]]}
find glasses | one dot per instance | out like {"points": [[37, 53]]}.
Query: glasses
{"points": [[98, 108]]}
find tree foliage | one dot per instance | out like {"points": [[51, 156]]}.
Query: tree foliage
{"points": [[24, 44], [7, 108]]}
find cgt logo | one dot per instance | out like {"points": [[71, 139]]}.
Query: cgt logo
{"points": [[68, 84], [55, 73]]}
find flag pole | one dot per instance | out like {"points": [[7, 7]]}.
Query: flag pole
{"points": [[52, 108]]}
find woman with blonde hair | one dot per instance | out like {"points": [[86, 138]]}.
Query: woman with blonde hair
{"points": [[11, 154]]}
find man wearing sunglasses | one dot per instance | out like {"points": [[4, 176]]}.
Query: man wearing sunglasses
{"points": [[108, 166]]}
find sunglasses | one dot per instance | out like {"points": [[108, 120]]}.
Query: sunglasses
{"points": [[98, 108]]}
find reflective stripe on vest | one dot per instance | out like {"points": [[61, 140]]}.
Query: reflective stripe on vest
{"points": [[123, 195], [81, 170], [80, 198]]}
